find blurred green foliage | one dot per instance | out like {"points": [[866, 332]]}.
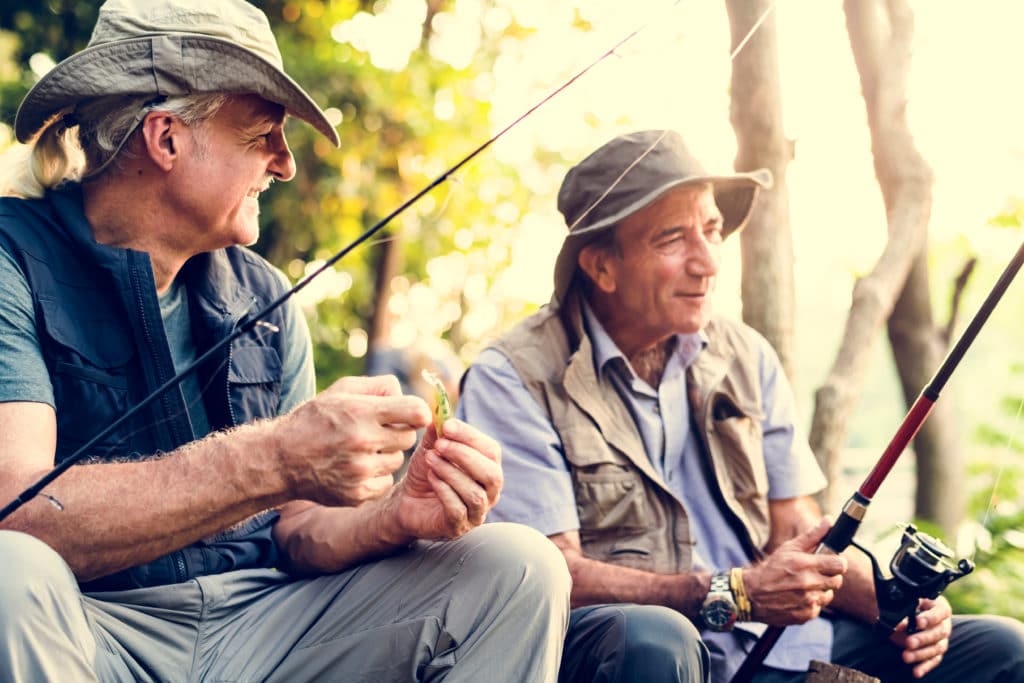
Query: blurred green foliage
{"points": [[394, 142], [994, 532]]}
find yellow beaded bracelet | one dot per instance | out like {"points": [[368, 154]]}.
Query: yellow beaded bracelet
{"points": [[739, 591]]}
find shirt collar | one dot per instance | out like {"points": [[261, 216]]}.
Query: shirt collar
{"points": [[688, 346]]}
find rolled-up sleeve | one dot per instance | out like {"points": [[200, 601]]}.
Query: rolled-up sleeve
{"points": [[538, 489], [792, 468]]}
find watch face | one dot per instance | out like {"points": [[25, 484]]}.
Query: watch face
{"points": [[719, 614]]}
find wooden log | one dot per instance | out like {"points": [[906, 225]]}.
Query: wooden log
{"points": [[823, 672]]}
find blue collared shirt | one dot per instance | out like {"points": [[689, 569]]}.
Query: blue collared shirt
{"points": [[538, 488]]}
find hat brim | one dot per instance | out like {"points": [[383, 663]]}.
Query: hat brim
{"points": [[734, 195], [128, 67]]}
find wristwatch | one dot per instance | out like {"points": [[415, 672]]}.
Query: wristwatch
{"points": [[719, 610]]}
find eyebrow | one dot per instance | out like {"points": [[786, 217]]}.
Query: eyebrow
{"points": [[269, 113], [669, 231]]}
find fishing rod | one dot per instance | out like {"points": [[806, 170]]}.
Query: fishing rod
{"points": [[922, 567], [36, 488]]}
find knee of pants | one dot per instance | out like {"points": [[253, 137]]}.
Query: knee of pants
{"points": [[659, 636], [520, 558], [626, 642], [30, 567]]}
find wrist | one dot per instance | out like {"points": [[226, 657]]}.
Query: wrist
{"points": [[273, 442], [250, 462], [387, 517]]}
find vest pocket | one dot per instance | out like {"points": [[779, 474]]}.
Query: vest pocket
{"points": [[740, 436], [254, 382], [740, 448], [610, 501], [88, 374]]}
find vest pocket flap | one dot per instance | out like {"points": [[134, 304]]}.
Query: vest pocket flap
{"points": [[107, 350], [610, 500], [254, 365]]}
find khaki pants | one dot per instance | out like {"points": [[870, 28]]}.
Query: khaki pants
{"points": [[490, 606]]}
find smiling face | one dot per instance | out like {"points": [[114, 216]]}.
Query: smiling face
{"points": [[232, 158], [656, 278]]}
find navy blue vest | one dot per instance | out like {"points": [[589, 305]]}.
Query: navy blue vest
{"points": [[99, 325]]}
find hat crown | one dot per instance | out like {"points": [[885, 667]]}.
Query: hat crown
{"points": [[235, 21], [621, 171]]}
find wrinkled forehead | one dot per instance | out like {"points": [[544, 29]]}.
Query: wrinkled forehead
{"points": [[246, 112], [683, 206]]}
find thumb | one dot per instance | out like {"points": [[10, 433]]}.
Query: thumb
{"points": [[810, 539]]}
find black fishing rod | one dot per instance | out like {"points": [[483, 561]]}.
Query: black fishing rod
{"points": [[80, 454]]}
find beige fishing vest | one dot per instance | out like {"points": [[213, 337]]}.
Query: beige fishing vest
{"points": [[627, 515]]}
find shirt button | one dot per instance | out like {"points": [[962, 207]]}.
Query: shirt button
{"points": [[657, 409]]}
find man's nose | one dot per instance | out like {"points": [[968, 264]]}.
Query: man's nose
{"points": [[703, 261], [282, 164]]}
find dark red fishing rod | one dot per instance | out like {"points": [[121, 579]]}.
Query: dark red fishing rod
{"points": [[842, 532]]}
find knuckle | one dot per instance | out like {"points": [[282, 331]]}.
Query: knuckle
{"points": [[390, 383], [457, 518], [495, 449]]}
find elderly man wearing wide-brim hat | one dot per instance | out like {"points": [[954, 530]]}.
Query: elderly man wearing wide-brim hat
{"points": [[656, 444], [236, 526]]}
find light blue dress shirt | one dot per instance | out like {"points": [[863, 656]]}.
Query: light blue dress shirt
{"points": [[538, 488]]}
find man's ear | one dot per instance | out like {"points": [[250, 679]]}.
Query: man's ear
{"points": [[161, 138], [596, 263]]}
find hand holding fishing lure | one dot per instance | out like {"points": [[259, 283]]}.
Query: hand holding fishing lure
{"points": [[442, 406]]}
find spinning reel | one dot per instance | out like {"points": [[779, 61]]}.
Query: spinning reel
{"points": [[921, 568]]}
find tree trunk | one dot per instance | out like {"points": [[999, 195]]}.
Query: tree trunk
{"points": [[918, 348], [388, 265], [880, 37], [766, 244]]}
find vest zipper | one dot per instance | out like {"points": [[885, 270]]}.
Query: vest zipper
{"points": [[161, 375], [227, 388]]}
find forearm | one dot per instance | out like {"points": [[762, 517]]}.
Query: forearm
{"points": [[595, 582], [317, 539], [117, 515], [857, 596]]}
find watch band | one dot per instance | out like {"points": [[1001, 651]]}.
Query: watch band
{"points": [[719, 610], [720, 583]]}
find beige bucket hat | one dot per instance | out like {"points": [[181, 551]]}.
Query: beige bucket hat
{"points": [[172, 48], [630, 172]]}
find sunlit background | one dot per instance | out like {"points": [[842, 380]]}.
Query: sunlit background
{"points": [[965, 112], [478, 251]]}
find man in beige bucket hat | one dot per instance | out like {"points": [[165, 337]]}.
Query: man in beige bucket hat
{"points": [[656, 444], [241, 528]]}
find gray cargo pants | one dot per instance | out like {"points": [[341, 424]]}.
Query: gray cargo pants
{"points": [[490, 606]]}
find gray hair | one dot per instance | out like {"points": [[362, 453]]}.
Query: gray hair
{"points": [[86, 143]]}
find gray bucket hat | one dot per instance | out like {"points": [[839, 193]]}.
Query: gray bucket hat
{"points": [[630, 172], [172, 48]]}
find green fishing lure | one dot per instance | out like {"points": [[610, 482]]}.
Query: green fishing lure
{"points": [[442, 405]]}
